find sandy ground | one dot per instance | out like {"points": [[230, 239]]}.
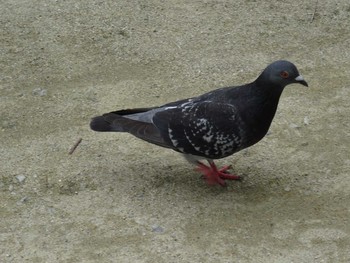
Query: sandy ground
{"points": [[118, 199]]}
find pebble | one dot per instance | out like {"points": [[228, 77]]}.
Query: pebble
{"points": [[22, 200], [294, 126], [287, 189], [304, 144], [39, 92], [157, 229], [20, 178]]}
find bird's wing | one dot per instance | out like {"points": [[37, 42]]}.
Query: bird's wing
{"points": [[203, 128]]}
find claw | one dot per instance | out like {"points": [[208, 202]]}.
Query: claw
{"points": [[216, 176]]}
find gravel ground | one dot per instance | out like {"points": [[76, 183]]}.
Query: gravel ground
{"points": [[118, 199]]}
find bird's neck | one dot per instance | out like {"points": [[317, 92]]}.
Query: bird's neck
{"points": [[260, 113]]}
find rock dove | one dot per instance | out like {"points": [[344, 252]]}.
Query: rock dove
{"points": [[211, 126]]}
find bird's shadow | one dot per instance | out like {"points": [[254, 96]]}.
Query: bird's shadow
{"points": [[184, 178]]}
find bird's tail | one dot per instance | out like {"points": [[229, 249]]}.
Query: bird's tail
{"points": [[115, 121], [112, 122], [100, 124]]}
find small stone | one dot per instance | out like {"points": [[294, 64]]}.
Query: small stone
{"points": [[22, 200], [287, 188], [294, 126], [306, 120], [304, 143], [11, 187], [39, 92], [20, 178], [157, 229]]}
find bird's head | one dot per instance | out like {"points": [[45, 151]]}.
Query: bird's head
{"points": [[282, 73]]}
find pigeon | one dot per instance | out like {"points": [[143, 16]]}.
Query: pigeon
{"points": [[211, 126]]}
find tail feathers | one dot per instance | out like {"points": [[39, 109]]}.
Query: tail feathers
{"points": [[100, 124], [111, 122], [114, 121]]}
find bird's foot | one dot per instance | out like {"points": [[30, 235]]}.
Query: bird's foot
{"points": [[213, 175]]}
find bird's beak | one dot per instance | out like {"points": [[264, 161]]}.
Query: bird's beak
{"points": [[301, 80]]}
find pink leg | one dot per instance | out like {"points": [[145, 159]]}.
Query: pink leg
{"points": [[213, 175]]}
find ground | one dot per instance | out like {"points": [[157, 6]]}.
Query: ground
{"points": [[119, 199]]}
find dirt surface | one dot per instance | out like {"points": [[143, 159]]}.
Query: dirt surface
{"points": [[118, 199]]}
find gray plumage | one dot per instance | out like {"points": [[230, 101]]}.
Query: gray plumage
{"points": [[213, 125]]}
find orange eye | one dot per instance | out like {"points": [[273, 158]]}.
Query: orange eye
{"points": [[284, 74]]}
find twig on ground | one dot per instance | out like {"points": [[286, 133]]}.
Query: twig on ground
{"points": [[314, 13], [75, 146]]}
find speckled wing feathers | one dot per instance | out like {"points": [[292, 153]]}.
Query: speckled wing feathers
{"points": [[206, 128]]}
